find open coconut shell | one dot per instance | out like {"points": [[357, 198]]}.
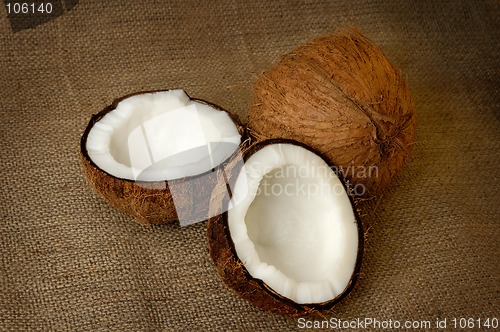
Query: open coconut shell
{"points": [[162, 201], [237, 277]]}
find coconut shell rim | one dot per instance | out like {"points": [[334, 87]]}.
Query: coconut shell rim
{"points": [[320, 306], [98, 116]]}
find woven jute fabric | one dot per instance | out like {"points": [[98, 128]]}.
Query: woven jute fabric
{"points": [[68, 261]]}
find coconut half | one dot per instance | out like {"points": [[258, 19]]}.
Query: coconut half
{"points": [[290, 241], [158, 155]]}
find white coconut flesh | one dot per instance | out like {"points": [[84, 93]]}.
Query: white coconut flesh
{"points": [[293, 225], [161, 136]]}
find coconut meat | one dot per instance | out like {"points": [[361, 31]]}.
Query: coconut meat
{"points": [[293, 225], [161, 136]]}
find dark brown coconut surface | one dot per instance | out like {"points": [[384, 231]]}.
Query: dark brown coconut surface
{"points": [[340, 95], [236, 277], [152, 202]]}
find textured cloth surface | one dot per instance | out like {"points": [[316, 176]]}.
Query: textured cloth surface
{"points": [[68, 261]]}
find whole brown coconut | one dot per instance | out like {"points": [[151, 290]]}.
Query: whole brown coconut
{"points": [[340, 95], [186, 199]]}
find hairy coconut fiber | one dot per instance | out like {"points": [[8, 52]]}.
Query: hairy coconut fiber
{"points": [[152, 202], [236, 277], [340, 95]]}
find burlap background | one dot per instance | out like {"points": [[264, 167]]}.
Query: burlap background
{"points": [[70, 262]]}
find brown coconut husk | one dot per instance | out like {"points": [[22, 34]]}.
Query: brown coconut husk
{"points": [[152, 202], [236, 277], [340, 95]]}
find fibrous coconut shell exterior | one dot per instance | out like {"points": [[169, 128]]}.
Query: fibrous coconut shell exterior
{"points": [[340, 95], [152, 202], [236, 277]]}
